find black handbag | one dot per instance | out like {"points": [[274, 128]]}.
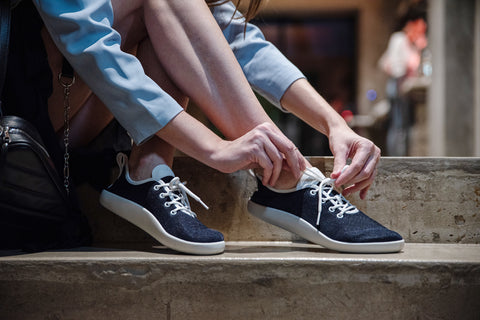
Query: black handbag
{"points": [[36, 208]]}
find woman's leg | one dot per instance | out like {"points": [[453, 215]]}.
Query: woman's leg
{"points": [[191, 47], [89, 116], [188, 43], [192, 50], [155, 151], [195, 54]]}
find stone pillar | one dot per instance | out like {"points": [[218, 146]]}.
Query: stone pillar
{"points": [[477, 79], [453, 98]]}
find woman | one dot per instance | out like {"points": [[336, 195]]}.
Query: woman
{"points": [[181, 47], [401, 61]]}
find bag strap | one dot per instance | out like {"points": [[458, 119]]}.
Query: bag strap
{"points": [[5, 16], [66, 78]]}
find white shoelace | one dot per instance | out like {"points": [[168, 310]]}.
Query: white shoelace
{"points": [[180, 201], [325, 188]]}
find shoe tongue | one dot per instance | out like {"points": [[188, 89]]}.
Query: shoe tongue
{"points": [[162, 172], [314, 177]]}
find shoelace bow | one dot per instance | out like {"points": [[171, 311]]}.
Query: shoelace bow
{"points": [[179, 200], [325, 188]]}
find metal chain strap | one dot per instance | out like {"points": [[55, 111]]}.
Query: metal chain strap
{"points": [[66, 127]]}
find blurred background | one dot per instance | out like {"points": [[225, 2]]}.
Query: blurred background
{"points": [[404, 73]]}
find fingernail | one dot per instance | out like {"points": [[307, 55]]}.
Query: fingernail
{"points": [[271, 183]]}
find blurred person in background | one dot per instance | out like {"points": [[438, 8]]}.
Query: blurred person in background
{"points": [[401, 61]]}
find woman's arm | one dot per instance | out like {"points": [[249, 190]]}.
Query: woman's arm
{"points": [[82, 30], [267, 70], [304, 101], [262, 147], [271, 74]]}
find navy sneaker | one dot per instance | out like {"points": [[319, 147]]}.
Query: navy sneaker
{"points": [[160, 207], [316, 212]]}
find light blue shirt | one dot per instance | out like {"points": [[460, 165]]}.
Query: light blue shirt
{"points": [[267, 70], [82, 30]]}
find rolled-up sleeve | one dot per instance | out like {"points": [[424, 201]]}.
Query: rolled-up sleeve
{"points": [[267, 70], [82, 30]]}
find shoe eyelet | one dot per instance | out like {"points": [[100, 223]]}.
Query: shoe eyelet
{"points": [[313, 192], [331, 209], [156, 187], [166, 204], [340, 216], [162, 195]]}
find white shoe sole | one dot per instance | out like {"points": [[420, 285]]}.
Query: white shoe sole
{"points": [[304, 229], [142, 218]]}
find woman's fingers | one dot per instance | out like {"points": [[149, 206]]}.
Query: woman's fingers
{"points": [[361, 172], [291, 155], [271, 150], [361, 186], [268, 157]]}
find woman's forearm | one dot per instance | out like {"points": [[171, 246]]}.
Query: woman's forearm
{"points": [[191, 137], [302, 100], [262, 147], [305, 102]]}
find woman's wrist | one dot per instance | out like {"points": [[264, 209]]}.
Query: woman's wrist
{"points": [[192, 138], [214, 157], [336, 125]]}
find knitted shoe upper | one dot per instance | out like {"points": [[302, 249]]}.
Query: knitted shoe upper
{"points": [[320, 205], [164, 197]]}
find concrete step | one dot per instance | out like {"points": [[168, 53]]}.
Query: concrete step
{"points": [[426, 200], [251, 280]]}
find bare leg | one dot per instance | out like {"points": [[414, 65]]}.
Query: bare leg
{"points": [[195, 54], [155, 151], [89, 115], [204, 69]]}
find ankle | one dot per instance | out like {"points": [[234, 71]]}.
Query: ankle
{"points": [[141, 168], [144, 158]]}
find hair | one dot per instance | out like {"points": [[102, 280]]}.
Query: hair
{"points": [[251, 12], [412, 13]]}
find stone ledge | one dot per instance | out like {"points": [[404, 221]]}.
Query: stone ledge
{"points": [[253, 251], [256, 280]]}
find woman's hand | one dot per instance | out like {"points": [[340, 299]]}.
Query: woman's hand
{"points": [[263, 147], [305, 102], [365, 155]]}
